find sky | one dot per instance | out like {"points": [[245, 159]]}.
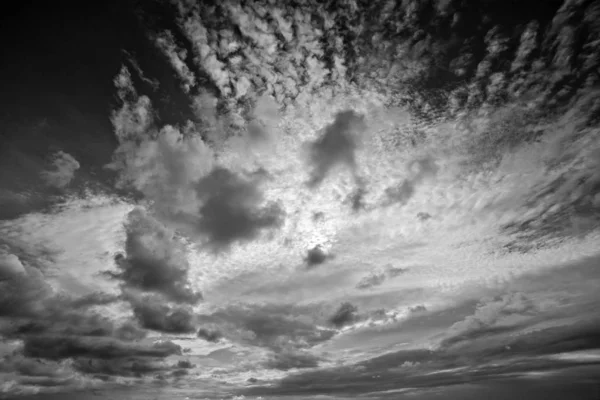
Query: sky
{"points": [[300, 200]]}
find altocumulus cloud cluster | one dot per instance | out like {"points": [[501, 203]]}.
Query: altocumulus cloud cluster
{"points": [[363, 198]]}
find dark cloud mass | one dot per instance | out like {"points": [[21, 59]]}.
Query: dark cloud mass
{"points": [[60, 347], [346, 314], [152, 313], [231, 209], [154, 260], [336, 146], [316, 256]]}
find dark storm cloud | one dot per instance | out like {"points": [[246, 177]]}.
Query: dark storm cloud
{"points": [[154, 261], [346, 314], [232, 209], [287, 360], [316, 256], [152, 313], [60, 347], [336, 146]]}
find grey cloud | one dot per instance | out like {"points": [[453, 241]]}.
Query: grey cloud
{"points": [[152, 313], [272, 326], [336, 146], [489, 315], [64, 167], [175, 169], [94, 299], [209, 335], [185, 364], [232, 209], [292, 360], [154, 261], [374, 279], [377, 278], [316, 256], [419, 170], [60, 347], [346, 314]]}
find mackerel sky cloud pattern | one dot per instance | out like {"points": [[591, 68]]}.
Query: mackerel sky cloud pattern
{"points": [[263, 200]]}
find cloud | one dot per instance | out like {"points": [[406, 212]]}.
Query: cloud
{"points": [[374, 279], [491, 316], [10, 265], [267, 325], [292, 360], [152, 313], [61, 347], [154, 261], [346, 314], [419, 170], [176, 56], [316, 256], [232, 209], [377, 278], [64, 167], [176, 169], [209, 335], [336, 146]]}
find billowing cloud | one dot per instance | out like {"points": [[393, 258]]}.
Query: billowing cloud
{"points": [[154, 261], [336, 146], [232, 209], [64, 167], [152, 313]]}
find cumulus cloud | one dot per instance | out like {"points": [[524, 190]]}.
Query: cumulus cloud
{"points": [[232, 209], [316, 256], [152, 313], [154, 260], [346, 314], [210, 335], [336, 146], [177, 171], [64, 167]]}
